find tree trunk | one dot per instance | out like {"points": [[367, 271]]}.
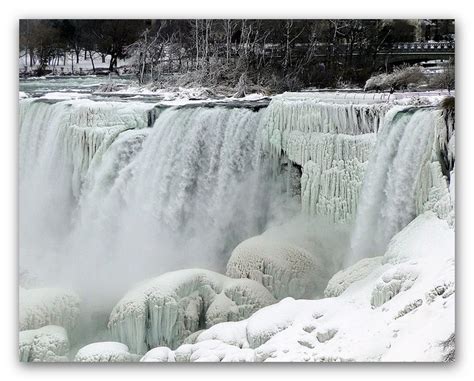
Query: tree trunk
{"points": [[92, 61]]}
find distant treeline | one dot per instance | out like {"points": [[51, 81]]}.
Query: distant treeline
{"points": [[269, 53]]}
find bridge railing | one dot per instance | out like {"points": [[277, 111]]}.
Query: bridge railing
{"points": [[422, 47]]}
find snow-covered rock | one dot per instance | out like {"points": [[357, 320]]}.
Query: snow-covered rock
{"points": [[108, 351], [282, 267], [39, 307], [167, 309], [344, 278], [45, 344], [418, 265], [159, 354]]}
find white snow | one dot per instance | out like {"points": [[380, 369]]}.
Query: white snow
{"points": [[46, 344], [167, 309], [108, 351]]}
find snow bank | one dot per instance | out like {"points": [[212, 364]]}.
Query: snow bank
{"points": [[39, 307], [108, 351], [167, 309], [410, 325], [46, 344], [283, 268]]}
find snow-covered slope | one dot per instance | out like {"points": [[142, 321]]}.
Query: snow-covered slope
{"points": [[413, 312]]}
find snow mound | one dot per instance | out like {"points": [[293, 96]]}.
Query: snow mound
{"points": [[419, 261], [213, 351], [159, 354], [391, 283], [46, 344], [47, 306], [344, 278], [107, 351], [167, 309], [283, 268], [412, 242]]}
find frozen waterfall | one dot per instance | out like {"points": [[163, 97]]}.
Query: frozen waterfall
{"points": [[397, 178]]}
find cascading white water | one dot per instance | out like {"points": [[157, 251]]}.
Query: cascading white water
{"points": [[99, 188], [392, 187], [96, 184]]}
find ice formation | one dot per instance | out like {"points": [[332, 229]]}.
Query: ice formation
{"points": [[344, 278], [348, 327], [47, 306], [105, 352], [283, 268], [183, 186], [167, 309], [331, 140], [46, 344]]}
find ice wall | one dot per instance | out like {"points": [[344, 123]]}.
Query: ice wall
{"points": [[331, 138]]}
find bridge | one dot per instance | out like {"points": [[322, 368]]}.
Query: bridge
{"points": [[388, 54], [417, 52]]}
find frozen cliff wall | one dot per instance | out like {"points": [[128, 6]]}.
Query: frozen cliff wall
{"points": [[331, 139]]}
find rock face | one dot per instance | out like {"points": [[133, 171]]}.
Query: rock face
{"points": [[105, 352], [46, 344], [283, 268], [167, 309]]}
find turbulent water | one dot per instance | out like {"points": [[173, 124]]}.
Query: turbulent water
{"points": [[107, 199], [114, 192]]}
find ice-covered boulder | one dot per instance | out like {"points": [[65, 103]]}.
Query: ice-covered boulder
{"points": [[344, 278], [392, 282], [46, 344], [159, 354], [107, 351], [283, 268], [47, 306], [167, 309]]}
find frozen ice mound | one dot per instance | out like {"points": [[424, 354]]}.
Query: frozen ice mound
{"points": [[39, 307], [107, 351], [46, 344], [159, 354], [167, 309], [344, 278], [283, 268]]}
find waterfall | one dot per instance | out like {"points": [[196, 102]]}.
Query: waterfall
{"points": [[393, 185], [98, 188]]}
